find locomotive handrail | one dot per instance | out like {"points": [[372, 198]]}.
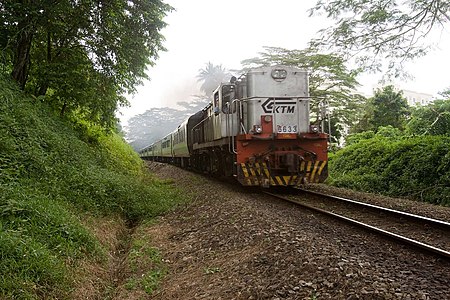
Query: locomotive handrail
{"points": [[241, 119], [229, 128], [200, 123], [274, 124], [233, 139], [193, 128], [205, 119]]}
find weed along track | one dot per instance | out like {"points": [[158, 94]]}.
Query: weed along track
{"points": [[234, 243], [118, 268], [135, 266]]}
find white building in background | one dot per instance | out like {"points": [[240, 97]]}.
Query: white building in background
{"points": [[413, 98], [417, 99]]}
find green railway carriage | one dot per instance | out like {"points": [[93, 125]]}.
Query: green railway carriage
{"points": [[180, 151], [166, 146]]}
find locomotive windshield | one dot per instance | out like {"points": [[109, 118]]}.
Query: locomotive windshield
{"points": [[227, 98]]}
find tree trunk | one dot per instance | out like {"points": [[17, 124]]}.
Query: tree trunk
{"points": [[44, 86], [22, 56], [63, 109]]}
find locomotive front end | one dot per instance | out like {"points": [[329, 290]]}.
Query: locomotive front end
{"points": [[280, 147]]}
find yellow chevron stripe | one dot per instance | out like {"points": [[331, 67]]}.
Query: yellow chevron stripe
{"points": [[313, 174], [252, 171], [278, 179], [293, 179], [308, 168], [258, 168], [324, 163], [266, 171], [302, 166], [244, 169], [287, 179]]}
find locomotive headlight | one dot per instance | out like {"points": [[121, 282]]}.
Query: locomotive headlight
{"points": [[279, 74], [257, 129], [314, 128]]}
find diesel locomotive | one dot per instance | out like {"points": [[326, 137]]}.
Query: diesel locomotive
{"points": [[256, 128]]}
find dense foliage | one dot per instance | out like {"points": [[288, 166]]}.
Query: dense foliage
{"points": [[409, 160], [52, 173], [83, 55], [433, 119], [416, 167]]}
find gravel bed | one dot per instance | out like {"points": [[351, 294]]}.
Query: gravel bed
{"points": [[422, 231], [234, 243]]}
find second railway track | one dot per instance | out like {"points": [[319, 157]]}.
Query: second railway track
{"points": [[426, 233]]}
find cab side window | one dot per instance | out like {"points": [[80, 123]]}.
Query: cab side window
{"points": [[227, 98], [216, 109]]}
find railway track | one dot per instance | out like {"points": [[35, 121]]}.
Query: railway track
{"points": [[421, 232]]}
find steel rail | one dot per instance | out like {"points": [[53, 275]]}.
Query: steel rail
{"points": [[398, 212], [435, 250]]}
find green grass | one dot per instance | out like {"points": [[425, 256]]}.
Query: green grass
{"points": [[52, 172], [145, 260]]}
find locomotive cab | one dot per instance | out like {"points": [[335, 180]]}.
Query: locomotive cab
{"points": [[222, 113]]}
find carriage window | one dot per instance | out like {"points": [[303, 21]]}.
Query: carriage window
{"points": [[165, 144], [227, 97]]}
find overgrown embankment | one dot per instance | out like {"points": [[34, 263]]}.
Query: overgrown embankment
{"points": [[415, 167], [54, 178]]}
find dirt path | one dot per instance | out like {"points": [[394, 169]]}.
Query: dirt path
{"points": [[230, 244]]}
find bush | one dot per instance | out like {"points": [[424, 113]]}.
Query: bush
{"points": [[416, 167]]}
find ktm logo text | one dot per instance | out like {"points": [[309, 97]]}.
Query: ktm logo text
{"points": [[278, 106]]}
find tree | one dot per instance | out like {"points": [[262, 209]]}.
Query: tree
{"points": [[386, 108], [152, 125], [329, 81], [445, 94], [83, 55], [211, 76], [381, 28], [433, 119], [197, 103]]}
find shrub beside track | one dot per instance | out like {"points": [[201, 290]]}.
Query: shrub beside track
{"points": [[415, 167]]}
